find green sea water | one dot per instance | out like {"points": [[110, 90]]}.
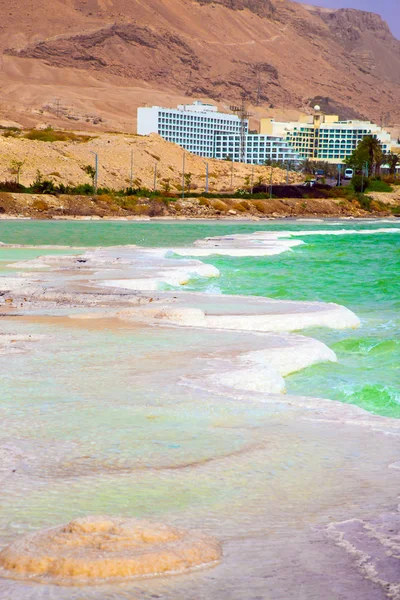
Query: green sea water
{"points": [[358, 271]]}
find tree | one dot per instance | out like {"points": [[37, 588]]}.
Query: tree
{"points": [[42, 186], [392, 160], [308, 167], [16, 168], [166, 185], [359, 183], [188, 180], [369, 151], [91, 171]]}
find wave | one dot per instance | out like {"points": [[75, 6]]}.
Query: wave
{"points": [[367, 346]]}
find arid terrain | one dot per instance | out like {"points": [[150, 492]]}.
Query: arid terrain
{"points": [[93, 62], [153, 161]]}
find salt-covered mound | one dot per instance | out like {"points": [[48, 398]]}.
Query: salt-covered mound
{"points": [[97, 547]]}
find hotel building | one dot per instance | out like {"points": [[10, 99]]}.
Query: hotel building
{"points": [[201, 129], [325, 138]]}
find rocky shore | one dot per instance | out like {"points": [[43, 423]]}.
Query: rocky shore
{"points": [[42, 206]]}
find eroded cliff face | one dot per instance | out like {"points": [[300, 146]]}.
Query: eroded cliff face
{"points": [[275, 53], [265, 8]]}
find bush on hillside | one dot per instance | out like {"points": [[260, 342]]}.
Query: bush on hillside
{"points": [[50, 135], [364, 202], [12, 187]]}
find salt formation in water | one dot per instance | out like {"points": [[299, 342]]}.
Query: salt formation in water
{"points": [[98, 547]]}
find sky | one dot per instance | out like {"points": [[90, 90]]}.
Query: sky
{"points": [[389, 9]]}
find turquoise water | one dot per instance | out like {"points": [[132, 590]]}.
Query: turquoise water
{"points": [[153, 233], [359, 271]]}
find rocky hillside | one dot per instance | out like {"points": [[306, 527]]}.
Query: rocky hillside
{"points": [[65, 161], [95, 61]]}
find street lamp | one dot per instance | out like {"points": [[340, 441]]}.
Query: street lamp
{"points": [[206, 163]]}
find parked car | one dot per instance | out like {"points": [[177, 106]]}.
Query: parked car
{"points": [[348, 174], [319, 174]]}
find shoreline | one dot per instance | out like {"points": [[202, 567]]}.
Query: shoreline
{"points": [[225, 219], [107, 207], [171, 407]]}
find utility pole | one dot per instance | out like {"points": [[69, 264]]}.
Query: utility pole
{"points": [[287, 173], [155, 177], [252, 178], [131, 178], [183, 175], [258, 97], [243, 115], [96, 175], [57, 107]]}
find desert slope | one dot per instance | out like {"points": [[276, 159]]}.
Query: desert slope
{"points": [[96, 61]]}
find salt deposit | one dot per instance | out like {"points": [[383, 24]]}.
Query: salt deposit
{"points": [[97, 548], [242, 314]]}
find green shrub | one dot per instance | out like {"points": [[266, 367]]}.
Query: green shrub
{"points": [[42, 186], [12, 187], [364, 201], [359, 183], [376, 185], [50, 135]]}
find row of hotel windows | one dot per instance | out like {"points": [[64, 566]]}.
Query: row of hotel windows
{"points": [[184, 135], [326, 136], [196, 124], [191, 131], [333, 131], [219, 127], [213, 119]]}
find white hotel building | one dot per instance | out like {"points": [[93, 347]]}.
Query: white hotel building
{"points": [[324, 137], [201, 129]]}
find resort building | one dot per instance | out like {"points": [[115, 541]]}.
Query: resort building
{"points": [[324, 137], [202, 129], [257, 148]]}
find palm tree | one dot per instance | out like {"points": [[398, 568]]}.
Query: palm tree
{"points": [[392, 160], [373, 148]]}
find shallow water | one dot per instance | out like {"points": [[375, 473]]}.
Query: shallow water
{"points": [[111, 417], [358, 271]]}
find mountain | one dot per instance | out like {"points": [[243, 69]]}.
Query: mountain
{"points": [[93, 62]]}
